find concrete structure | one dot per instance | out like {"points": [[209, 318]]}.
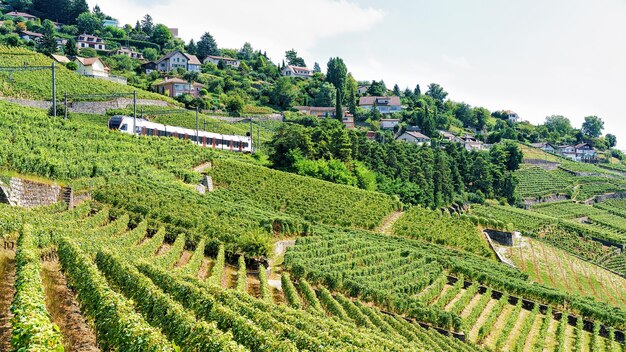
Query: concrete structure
{"points": [[296, 71], [111, 23], [178, 59], [388, 124], [228, 61], [386, 105], [174, 87], [319, 111], [91, 66], [414, 137], [130, 52], [90, 41]]}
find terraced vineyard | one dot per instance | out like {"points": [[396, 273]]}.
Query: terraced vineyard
{"points": [[556, 268], [193, 312], [536, 182], [432, 226], [38, 84], [313, 200], [363, 266]]}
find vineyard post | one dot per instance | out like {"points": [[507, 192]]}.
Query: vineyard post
{"points": [[65, 110], [134, 111], [54, 91]]}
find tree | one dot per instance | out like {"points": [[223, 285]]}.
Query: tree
{"points": [[234, 103], [150, 54], [147, 25], [21, 5], [98, 12], [593, 126], [293, 59], [289, 143], [317, 68], [336, 75], [12, 39], [396, 90], [76, 8], [161, 34], [283, 93], [611, 140], [479, 117], [417, 92], [192, 48], [88, 23], [207, 46], [377, 89], [558, 124], [436, 92], [246, 52], [56, 10], [48, 43], [352, 87], [326, 95]]}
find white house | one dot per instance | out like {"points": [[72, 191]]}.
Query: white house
{"points": [[389, 123], [91, 66], [178, 59], [90, 41], [414, 137], [228, 61], [362, 90], [449, 136], [567, 151], [513, 117], [386, 105], [583, 152], [295, 71]]}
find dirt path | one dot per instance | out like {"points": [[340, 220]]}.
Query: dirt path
{"points": [[184, 259], [7, 290], [388, 222], [65, 311]]}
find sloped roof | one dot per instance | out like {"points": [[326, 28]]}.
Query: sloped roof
{"points": [[393, 100], [19, 14], [221, 58], [176, 80], [60, 58], [299, 68], [193, 59], [417, 135], [32, 34], [88, 61]]}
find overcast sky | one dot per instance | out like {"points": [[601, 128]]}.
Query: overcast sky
{"points": [[535, 57]]}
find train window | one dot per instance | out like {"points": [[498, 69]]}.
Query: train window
{"points": [[237, 144], [124, 127], [245, 145], [209, 141], [149, 132]]}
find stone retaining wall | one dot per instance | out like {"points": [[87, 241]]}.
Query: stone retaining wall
{"points": [[88, 107], [28, 194]]}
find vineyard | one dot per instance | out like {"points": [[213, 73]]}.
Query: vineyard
{"points": [[536, 182], [307, 198], [432, 226], [372, 268], [38, 84], [136, 303]]}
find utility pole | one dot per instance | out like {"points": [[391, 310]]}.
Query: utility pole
{"points": [[54, 91], [134, 111]]}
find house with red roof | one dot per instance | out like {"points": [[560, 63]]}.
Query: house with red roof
{"points": [[24, 15], [296, 71], [90, 41], [174, 87], [91, 66]]}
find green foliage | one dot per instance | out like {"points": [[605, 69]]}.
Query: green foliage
{"points": [[117, 324], [218, 267], [266, 292], [162, 311], [433, 226], [88, 23], [291, 294], [308, 199], [32, 328], [242, 276]]}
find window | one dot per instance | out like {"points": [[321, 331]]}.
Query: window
{"points": [[124, 127]]}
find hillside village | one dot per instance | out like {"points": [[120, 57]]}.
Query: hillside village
{"points": [[245, 81], [163, 195]]}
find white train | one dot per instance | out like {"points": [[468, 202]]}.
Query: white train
{"points": [[144, 127]]}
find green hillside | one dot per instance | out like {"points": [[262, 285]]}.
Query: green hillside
{"points": [[38, 84]]}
